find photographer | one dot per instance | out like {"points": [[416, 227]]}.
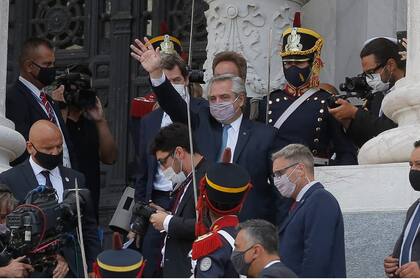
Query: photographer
{"points": [[172, 149], [44, 168], [382, 67], [88, 129]]}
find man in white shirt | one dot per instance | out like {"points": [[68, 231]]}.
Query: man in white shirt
{"points": [[312, 236], [255, 253], [172, 149], [27, 101], [44, 167], [405, 259]]}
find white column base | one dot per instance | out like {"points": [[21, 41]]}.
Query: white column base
{"points": [[12, 143]]}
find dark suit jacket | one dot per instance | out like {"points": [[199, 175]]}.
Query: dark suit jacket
{"points": [[21, 179], [23, 109], [147, 164], [253, 150], [181, 232], [415, 251], [312, 237], [277, 270], [367, 123]]}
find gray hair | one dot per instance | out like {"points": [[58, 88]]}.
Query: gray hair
{"points": [[238, 85], [296, 153], [261, 232]]}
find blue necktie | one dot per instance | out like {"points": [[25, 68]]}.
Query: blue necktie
{"points": [[224, 139], [405, 253]]}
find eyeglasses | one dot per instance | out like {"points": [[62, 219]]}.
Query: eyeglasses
{"points": [[369, 73], [281, 172], [162, 161]]}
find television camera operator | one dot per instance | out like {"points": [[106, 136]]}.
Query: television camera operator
{"points": [[88, 128], [382, 67], [15, 268], [44, 168]]}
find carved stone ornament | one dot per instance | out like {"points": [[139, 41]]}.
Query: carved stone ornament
{"points": [[293, 41], [244, 26]]}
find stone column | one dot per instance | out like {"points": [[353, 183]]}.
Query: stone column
{"points": [[402, 105], [244, 26], [12, 144]]}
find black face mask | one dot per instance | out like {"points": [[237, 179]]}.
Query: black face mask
{"points": [[48, 161], [296, 76], [415, 179], [46, 75]]}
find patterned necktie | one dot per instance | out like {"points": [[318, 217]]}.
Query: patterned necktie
{"points": [[224, 140], [46, 174], [47, 107], [405, 252]]}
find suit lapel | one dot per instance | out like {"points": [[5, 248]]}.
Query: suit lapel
{"points": [[243, 137], [68, 181], [301, 203], [32, 99], [29, 176], [185, 198]]}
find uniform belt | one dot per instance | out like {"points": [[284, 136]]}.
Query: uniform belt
{"points": [[318, 161]]}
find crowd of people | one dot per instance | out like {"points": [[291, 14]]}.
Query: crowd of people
{"points": [[231, 185]]}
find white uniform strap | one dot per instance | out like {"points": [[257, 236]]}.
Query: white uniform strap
{"points": [[228, 237], [286, 114]]}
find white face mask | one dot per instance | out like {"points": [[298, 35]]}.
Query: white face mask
{"points": [[284, 185], [175, 178], [376, 83], [180, 88]]}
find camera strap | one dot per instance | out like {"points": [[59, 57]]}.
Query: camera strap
{"points": [[286, 114]]}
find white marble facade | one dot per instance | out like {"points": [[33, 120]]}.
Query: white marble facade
{"points": [[244, 26]]}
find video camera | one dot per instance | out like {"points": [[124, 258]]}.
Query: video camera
{"points": [[140, 217], [77, 87], [39, 228], [353, 87]]}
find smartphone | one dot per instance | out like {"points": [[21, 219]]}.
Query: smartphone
{"points": [[400, 36]]}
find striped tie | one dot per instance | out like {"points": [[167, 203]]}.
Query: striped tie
{"points": [[48, 107]]}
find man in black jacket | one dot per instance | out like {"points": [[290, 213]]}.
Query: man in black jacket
{"points": [[27, 101], [256, 251], [172, 149], [44, 167], [382, 67], [405, 259]]}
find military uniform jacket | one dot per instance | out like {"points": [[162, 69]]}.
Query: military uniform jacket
{"points": [[311, 125], [214, 261]]}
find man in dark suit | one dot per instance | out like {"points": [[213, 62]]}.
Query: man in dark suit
{"points": [[255, 253], [44, 167], [150, 184], [172, 149], [405, 259], [312, 236], [219, 126], [26, 102]]}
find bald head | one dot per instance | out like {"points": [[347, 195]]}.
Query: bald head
{"points": [[44, 137]]}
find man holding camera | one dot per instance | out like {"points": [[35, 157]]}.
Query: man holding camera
{"points": [[382, 67], [44, 168], [172, 149], [87, 127], [300, 110], [26, 100]]}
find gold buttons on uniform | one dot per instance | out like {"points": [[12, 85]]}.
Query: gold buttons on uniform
{"points": [[318, 129], [285, 98], [314, 152], [269, 112], [277, 99], [319, 119], [315, 98], [270, 120], [321, 111], [322, 101], [316, 140], [270, 102]]}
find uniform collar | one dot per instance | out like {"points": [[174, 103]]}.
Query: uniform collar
{"points": [[224, 222]]}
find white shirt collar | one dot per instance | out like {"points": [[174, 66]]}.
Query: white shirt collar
{"points": [[304, 190], [38, 169], [30, 85], [236, 124], [271, 263]]}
